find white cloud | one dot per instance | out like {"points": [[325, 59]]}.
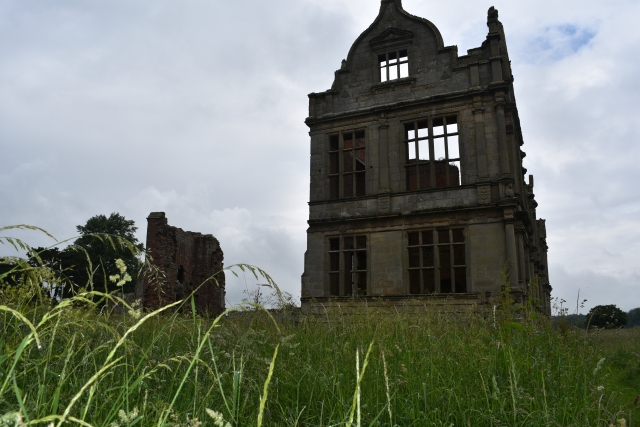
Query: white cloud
{"points": [[197, 109]]}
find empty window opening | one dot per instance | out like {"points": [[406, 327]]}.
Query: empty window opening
{"points": [[436, 261], [180, 277], [348, 266], [433, 153], [393, 65], [347, 165]]}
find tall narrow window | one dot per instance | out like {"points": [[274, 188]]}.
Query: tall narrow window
{"points": [[334, 267], [437, 261], [421, 263], [393, 65], [433, 153], [348, 266], [347, 165]]}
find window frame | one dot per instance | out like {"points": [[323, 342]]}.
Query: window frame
{"points": [[397, 64], [346, 182], [417, 168], [340, 275], [458, 272]]}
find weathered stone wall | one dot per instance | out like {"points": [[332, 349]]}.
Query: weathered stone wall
{"points": [[190, 262], [493, 204]]}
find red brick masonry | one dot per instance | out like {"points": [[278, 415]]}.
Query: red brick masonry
{"points": [[188, 261]]}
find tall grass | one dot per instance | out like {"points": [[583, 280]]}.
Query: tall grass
{"points": [[77, 362]]}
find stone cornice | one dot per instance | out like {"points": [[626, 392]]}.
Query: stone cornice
{"points": [[400, 104]]}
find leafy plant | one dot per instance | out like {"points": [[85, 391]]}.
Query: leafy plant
{"points": [[79, 363]]}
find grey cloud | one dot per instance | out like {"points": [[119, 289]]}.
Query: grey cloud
{"points": [[197, 108]]}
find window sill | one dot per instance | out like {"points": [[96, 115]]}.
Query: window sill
{"points": [[394, 194], [393, 83]]}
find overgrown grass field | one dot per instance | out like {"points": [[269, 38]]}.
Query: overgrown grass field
{"points": [[78, 361], [72, 363]]}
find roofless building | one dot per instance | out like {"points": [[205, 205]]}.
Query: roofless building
{"points": [[417, 185]]}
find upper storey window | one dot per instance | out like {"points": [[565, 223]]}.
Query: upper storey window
{"points": [[393, 65], [347, 165], [433, 153]]}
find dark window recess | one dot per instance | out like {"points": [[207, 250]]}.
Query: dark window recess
{"points": [[393, 65], [347, 165], [437, 261], [433, 153], [348, 266]]}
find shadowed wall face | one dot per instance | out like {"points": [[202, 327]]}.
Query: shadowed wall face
{"points": [[189, 261]]}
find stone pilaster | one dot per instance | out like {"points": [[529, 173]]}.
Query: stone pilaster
{"points": [[501, 129]]}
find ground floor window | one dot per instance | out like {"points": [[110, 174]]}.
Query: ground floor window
{"points": [[348, 266], [437, 261]]}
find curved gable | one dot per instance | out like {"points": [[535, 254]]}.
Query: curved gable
{"points": [[384, 27], [399, 57]]}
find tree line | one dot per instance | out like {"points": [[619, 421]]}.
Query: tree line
{"points": [[87, 263], [90, 262]]}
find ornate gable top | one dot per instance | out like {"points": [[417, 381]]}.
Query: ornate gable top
{"points": [[391, 35]]}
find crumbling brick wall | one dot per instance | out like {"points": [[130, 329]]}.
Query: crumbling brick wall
{"points": [[188, 261]]}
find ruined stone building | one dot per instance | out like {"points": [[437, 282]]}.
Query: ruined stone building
{"points": [[187, 260], [417, 185]]}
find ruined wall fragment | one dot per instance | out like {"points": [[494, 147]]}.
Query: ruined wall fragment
{"points": [[189, 262]]}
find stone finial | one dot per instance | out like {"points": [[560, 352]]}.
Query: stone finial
{"points": [[397, 2], [343, 65], [492, 14]]}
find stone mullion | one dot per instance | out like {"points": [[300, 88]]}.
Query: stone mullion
{"points": [[432, 151]]}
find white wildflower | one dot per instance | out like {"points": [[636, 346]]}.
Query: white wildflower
{"points": [[121, 265], [12, 419], [218, 420], [126, 418], [123, 277]]}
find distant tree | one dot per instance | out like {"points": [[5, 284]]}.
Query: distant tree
{"points": [[633, 317], [606, 317], [97, 239], [90, 261], [8, 276], [69, 266]]}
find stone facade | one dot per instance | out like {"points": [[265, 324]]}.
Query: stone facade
{"points": [[417, 185], [188, 262]]}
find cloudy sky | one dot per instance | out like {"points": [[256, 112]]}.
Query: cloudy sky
{"points": [[197, 108]]}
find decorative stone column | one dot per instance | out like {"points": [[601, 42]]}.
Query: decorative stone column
{"points": [[501, 129], [521, 265], [510, 246], [483, 187]]}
